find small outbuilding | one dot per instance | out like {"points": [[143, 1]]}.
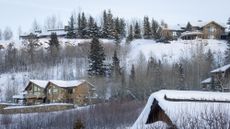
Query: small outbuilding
{"points": [[175, 108]]}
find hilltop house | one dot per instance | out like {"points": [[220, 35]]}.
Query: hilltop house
{"points": [[174, 108], [219, 80], [77, 92], [205, 30], [57, 91], [61, 33]]}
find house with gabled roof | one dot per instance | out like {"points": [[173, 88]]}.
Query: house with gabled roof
{"points": [[174, 108], [35, 92], [78, 92], [219, 80], [204, 30]]}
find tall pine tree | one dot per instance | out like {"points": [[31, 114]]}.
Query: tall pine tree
{"points": [[137, 31], [96, 59], [147, 29], [71, 33], [130, 34]]}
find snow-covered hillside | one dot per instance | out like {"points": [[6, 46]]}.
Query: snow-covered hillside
{"points": [[175, 50], [166, 52]]}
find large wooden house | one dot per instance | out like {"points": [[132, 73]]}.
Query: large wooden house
{"points": [[174, 108], [204, 30], [219, 80], [35, 92], [78, 92]]}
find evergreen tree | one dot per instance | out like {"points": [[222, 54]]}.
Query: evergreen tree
{"points": [[83, 26], [93, 30], [130, 34], [96, 59], [54, 45], [79, 31], [111, 26], [154, 29], [122, 28], [188, 27], [137, 31], [105, 28], [147, 29], [116, 65], [117, 34], [71, 34]]}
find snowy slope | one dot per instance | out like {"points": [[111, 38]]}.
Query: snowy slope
{"points": [[174, 51]]}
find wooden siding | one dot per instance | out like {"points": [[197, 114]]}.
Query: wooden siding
{"points": [[78, 95], [213, 30], [35, 94]]}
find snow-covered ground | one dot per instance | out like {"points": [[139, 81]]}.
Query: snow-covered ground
{"points": [[175, 50]]}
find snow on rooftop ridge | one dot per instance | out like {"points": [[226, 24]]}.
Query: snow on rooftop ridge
{"points": [[175, 109], [208, 80], [41, 83], [221, 69], [191, 33], [66, 84]]}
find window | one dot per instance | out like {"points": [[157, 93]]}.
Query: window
{"points": [[55, 90], [211, 29], [70, 91]]}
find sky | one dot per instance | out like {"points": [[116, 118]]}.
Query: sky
{"points": [[22, 13]]}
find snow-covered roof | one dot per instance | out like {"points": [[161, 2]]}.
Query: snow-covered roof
{"points": [[191, 33], [185, 104], [58, 33], [66, 84], [208, 80], [200, 23], [40, 83], [221, 69], [175, 27]]}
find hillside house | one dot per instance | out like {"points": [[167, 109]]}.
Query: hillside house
{"points": [[173, 108], [35, 92], [205, 30], [61, 33], [219, 80], [78, 92]]}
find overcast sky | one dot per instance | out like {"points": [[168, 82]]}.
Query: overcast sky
{"points": [[15, 13]]}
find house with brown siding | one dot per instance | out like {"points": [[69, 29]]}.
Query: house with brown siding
{"points": [[204, 30], [35, 92], [78, 92]]}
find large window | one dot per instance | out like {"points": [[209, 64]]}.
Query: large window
{"points": [[211, 29]]}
